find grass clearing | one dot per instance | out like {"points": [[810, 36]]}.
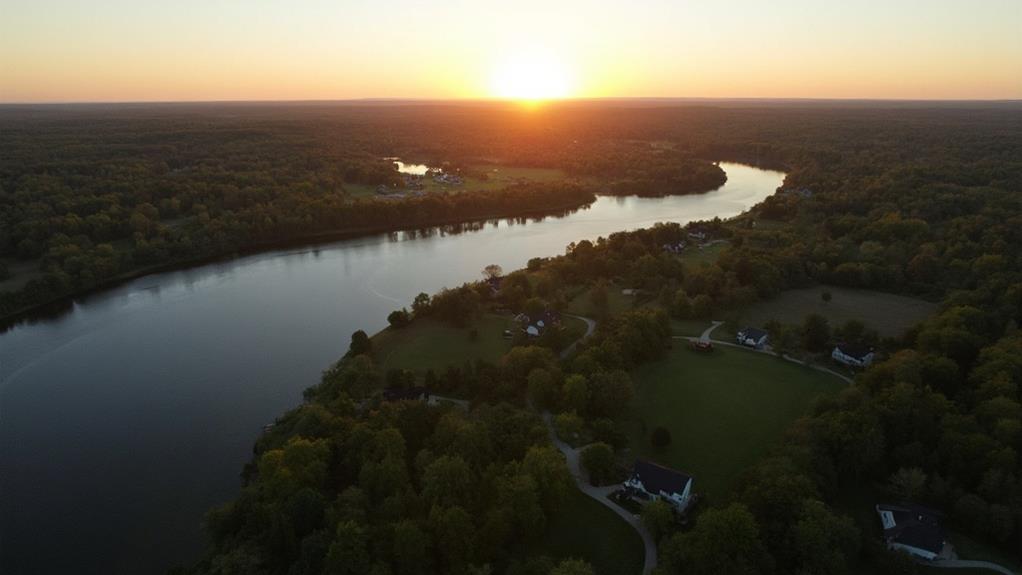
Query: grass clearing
{"points": [[697, 256], [431, 344], [723, 409], [498, 177], [585, 529], [617, 302], [889, 314]]}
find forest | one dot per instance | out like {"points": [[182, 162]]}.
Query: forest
{"points": [[904, 200], [922, 200]]}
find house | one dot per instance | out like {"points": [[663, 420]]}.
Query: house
{"points": [[403, 394], [630, 292], [652, 481], [699, 236], [855, 355], [753, 337], [915, 530], [534, 327], [676, 248]]}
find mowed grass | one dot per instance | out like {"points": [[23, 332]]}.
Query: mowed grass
{"points": [[696, 256], [889, 314], [723, 409], [617, 302], [584, 529], [431, 344]]}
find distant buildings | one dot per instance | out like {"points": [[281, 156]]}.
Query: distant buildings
{"points": [[537, 326], [852, 354], [915, 530], [651, 481]]}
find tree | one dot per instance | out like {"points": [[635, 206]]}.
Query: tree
{"points": [[447, 481], [360, 344], [598, 461], [658, 516], [572, 567], [826, 296], [908, 483], [576, 393], [724, 540], [348, 554], [815, 332], [411, 549], [399, 318], [569, 426], [454, 533], [823, 543], [420, 305], [702, 306], [493, 271], [660, 437]]}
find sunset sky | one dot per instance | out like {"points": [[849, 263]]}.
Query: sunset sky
{"points": [[106, 50]]}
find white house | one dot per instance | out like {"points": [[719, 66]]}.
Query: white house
{"points": [[854, 355], [915, 530], [753, 337], [658, 482]]}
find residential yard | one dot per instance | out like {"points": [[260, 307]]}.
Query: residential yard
{"points": [[498, 177], [431, 344], [723, 409], [617, 302], [889, 314], [585, 529], [695, 255]]}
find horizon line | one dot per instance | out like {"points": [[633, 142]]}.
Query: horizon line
{"points": [[487, 100]]}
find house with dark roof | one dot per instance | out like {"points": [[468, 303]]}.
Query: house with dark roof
{"points": [[853, 354], [753, 337], [915, 530], [652, 481]]}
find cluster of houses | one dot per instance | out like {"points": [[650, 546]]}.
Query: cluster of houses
{"points": [[803, 193], [675, 248], [537, 325], [850, 354]]}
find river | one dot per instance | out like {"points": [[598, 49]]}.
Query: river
{"points": [[123, 420]]}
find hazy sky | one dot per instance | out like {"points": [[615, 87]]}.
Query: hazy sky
{"points": [[121, 50]]}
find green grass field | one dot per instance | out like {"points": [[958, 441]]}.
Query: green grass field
{"points": [[585, 529], [724, 410], [616, 302], [696, 256], [889, 314], [430, 344]]}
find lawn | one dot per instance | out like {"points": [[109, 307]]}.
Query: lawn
{"points": [[617, 302], [696, 256], [889, 314], [430, 344], [723, 409], [585, 529]]}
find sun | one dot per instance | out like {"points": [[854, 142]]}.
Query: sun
{"points": [[531, 73]]}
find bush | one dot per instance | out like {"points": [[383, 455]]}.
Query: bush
{"points": [[399, 318]]}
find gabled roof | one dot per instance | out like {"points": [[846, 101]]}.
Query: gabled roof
{"points": [[915, 526], [656, 478], [856, 350], [753, 333], [399, 394]]}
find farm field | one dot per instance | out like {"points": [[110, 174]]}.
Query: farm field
{"points": [[431, 344], [723, 409]]}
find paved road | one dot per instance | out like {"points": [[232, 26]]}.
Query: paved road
{"points": [[966, 564], [590, 327], [571, 457], [704, 337]]}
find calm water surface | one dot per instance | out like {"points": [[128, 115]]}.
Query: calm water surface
{"points": [[125, 419]]}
